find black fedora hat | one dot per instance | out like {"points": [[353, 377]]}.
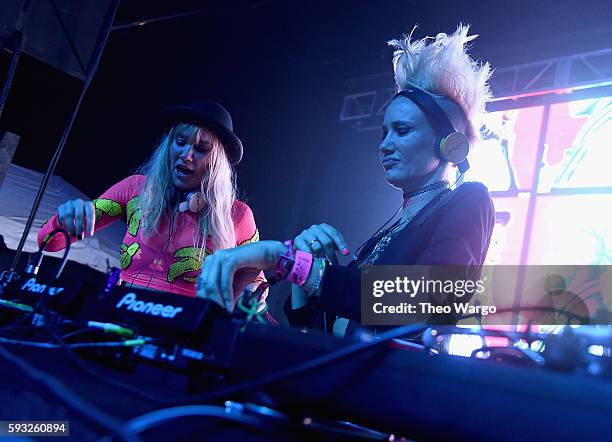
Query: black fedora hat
{"points": [[209, 114]]}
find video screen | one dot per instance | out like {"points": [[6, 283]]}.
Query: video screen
{"points": [[553, 199]]}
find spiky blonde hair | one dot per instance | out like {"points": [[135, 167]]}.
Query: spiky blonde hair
{"points": [[441, 66]]}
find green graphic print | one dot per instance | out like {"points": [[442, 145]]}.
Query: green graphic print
{"points": [[106, 207], [127, 253], [186, 261], [134, 216]]}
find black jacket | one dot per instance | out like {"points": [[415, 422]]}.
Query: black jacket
{"points": [[453, 229]]}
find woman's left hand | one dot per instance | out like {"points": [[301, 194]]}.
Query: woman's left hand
{"points": [[218, 270]]}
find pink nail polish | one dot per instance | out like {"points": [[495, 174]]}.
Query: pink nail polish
{"points": [[345, 251]]}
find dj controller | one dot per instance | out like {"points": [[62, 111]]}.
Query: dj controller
{"points": [[124, 363]]}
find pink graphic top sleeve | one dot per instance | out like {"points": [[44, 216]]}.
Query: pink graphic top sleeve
{"points": [[168, 259], [110, 207]]}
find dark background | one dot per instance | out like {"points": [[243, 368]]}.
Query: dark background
{"points": [[281, 68]]}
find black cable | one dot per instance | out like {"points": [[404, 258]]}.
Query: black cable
{"points": [[374, 236], [62, 264], [461, 175], [38, 256], [371, 238], [16, 328], [154, 261], [306, 366], [68, 398], [52, 346], [18, 38], [60, 147], [78, 332], [17, 322], [76, 360], [18, 43], [155, 418]]}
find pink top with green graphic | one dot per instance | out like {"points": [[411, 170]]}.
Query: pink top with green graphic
{"points": [[158, 262]]}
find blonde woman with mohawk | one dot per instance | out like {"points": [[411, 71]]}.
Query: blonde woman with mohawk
{"points": [[180, 207], [426, 133]]}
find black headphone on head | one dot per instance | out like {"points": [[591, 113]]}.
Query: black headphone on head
{"points": [[451, 146]]}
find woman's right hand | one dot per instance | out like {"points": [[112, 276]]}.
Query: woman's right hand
{"points": [[322, 240], [78, 217]]}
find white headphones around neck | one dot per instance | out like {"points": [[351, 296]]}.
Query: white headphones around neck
{"points": [[194, 202]]}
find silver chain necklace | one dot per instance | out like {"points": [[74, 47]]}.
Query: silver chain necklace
{"points": [[393, 231]]}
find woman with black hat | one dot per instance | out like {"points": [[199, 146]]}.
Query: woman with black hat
{"points": [[180, 207]]}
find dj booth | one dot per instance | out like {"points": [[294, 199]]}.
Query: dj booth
{"points": [[117, 363], [123, 363]]}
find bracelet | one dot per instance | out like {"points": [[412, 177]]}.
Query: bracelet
{"points": [[316, 285], [301, 268], [285, 262]]}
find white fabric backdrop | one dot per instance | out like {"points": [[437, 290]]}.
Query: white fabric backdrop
{"points": [[16, 198]]}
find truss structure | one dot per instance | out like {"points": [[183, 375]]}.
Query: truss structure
{"points": [[364, 109]]}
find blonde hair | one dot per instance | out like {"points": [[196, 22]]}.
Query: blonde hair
{"points": [[160, 197], [441, 66]]}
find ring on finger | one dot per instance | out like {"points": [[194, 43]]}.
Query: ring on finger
{"points": [[310, 244]]}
